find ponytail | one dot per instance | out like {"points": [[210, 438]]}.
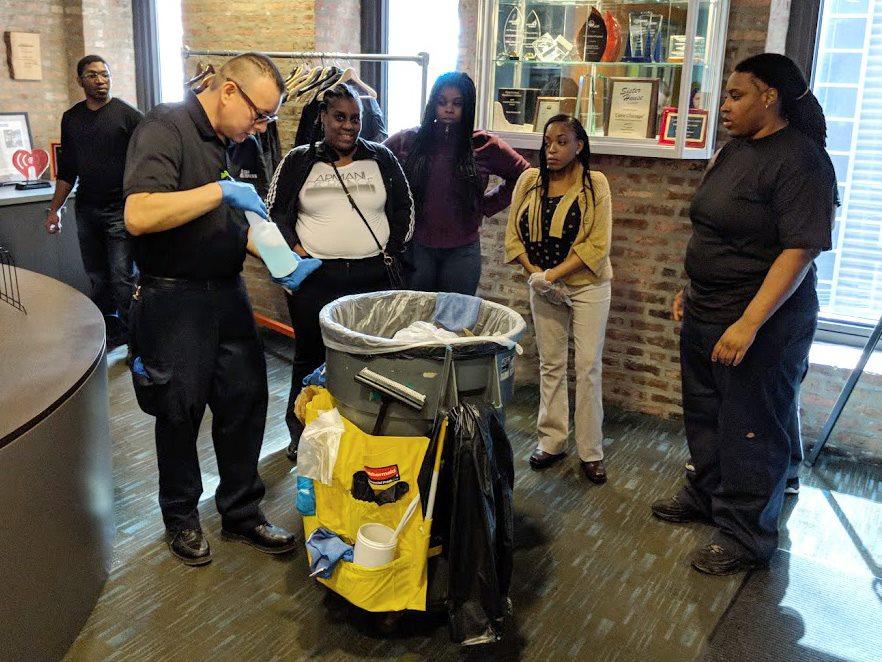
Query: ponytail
{"points": [[799, 106]]}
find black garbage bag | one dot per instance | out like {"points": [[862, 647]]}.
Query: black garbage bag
{"points": [[480, 544]]}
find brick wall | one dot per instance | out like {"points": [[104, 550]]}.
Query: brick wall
{"points": [[68, 30]]}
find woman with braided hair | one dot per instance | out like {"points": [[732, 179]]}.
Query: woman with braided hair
{"points": [[448, 164], [761, 215]]}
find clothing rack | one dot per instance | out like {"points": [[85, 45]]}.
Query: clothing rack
{"points": [[421, 59]]}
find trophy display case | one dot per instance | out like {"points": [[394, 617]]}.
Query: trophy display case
{"points": [[624, 68]]}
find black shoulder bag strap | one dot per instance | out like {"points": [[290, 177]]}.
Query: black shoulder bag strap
{"points": [[392, 268]]}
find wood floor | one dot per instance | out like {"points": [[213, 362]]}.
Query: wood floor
{"points": [[595, 576]]}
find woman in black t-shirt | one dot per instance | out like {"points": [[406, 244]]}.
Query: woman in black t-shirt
{"points": [[760, 217]]}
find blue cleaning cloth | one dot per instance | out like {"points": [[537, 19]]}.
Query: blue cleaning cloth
{"points": [[317, 377], [305, 500], [325, 551], [456, 312]]}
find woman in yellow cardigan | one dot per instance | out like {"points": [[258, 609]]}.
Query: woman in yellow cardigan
{"points": [[559, 227]]}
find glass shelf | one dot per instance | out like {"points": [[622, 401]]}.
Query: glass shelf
{"points": [[583, 63], [539, 58]]}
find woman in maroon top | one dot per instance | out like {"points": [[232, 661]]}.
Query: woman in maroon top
{"points": [[448, 165]]}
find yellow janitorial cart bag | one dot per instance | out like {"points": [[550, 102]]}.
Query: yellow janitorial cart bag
{"points": [[400, 584]]}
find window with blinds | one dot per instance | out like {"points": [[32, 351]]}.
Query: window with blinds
{"points": [[848, 82]]}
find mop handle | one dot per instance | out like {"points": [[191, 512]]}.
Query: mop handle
{"points": [[406, 516], [430, 507]]}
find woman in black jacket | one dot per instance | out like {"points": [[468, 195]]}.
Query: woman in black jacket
{"points": [[346, 201]]}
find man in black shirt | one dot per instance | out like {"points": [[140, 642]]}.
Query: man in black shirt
{"points": [[193, 340], [95, 134]]}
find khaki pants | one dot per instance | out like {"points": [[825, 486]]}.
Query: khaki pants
{"points": [[552, 322]]}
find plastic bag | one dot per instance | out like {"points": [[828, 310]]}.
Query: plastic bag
{"points": [[424, 331], [319, 444]]}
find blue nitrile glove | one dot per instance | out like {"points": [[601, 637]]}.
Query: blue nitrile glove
{"points": [[305, 266], [243, 196], [305, 500], [138, 368]]}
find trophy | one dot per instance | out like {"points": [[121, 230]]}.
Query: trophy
{"points": [[513, 34], [593, 37]]}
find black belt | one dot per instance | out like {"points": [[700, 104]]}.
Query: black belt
{"points": [[158, 282]]}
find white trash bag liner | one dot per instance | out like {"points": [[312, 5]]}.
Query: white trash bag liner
{"points": [[367, 324]]}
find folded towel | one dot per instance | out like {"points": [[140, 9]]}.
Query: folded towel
{"points": [[325, 550], [456, 312]]}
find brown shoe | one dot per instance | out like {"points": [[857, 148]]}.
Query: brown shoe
{"points": [[542, 460], [594, 471]]}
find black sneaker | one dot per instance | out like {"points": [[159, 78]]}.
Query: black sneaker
{"points": [[190, 546], [714, 559], [792, 486], [672, 510], [291, 451]]}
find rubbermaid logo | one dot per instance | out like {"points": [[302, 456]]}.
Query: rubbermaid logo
{"points": [[383, 475]]}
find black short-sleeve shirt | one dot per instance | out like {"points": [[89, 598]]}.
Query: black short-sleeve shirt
{"points": [[759, 198], [93, 150], [551, 251], [175, 148]]}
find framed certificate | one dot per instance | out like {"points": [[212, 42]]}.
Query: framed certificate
{"points": [[632, 105], [696, 127], [15, 135], [548, 107]]}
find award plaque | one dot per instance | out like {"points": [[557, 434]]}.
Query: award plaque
{"points": [[696, 127], [513, 34], [632, 107], [548, 107], [532, 31], [593, 37], [518, 103]]}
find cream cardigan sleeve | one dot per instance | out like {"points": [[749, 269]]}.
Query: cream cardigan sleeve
{"points": [[593, 249]]}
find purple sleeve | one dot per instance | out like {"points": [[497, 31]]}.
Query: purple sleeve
{"points": [[395, 144], [506, 163]]}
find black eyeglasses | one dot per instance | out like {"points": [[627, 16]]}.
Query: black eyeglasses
{"points": [[259, 115]]}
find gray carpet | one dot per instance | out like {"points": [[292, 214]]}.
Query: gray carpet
{"points": [[595, 576]]}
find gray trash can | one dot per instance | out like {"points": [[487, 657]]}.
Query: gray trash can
{"points": [[358, 333]]}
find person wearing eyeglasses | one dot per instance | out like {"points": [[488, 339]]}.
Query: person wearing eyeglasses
{"points": [[95, 134], [193, 339]]}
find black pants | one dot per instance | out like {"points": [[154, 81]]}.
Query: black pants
{"points": [[334, 279], [106, 248], [742, 426], [199, 345]]}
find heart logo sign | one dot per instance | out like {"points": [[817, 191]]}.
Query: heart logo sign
{"points": [[24, 161]]}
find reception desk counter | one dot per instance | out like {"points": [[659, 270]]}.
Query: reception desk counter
{"points": [[56, 485]]}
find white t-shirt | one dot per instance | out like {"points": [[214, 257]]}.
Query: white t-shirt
{"points": [[327, 225]]}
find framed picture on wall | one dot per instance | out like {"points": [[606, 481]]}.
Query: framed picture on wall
{"points": [[55, 154], [696, 127], [15, 135]]}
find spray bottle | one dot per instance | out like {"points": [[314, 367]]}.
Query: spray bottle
{"points": [[274, 251]]}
